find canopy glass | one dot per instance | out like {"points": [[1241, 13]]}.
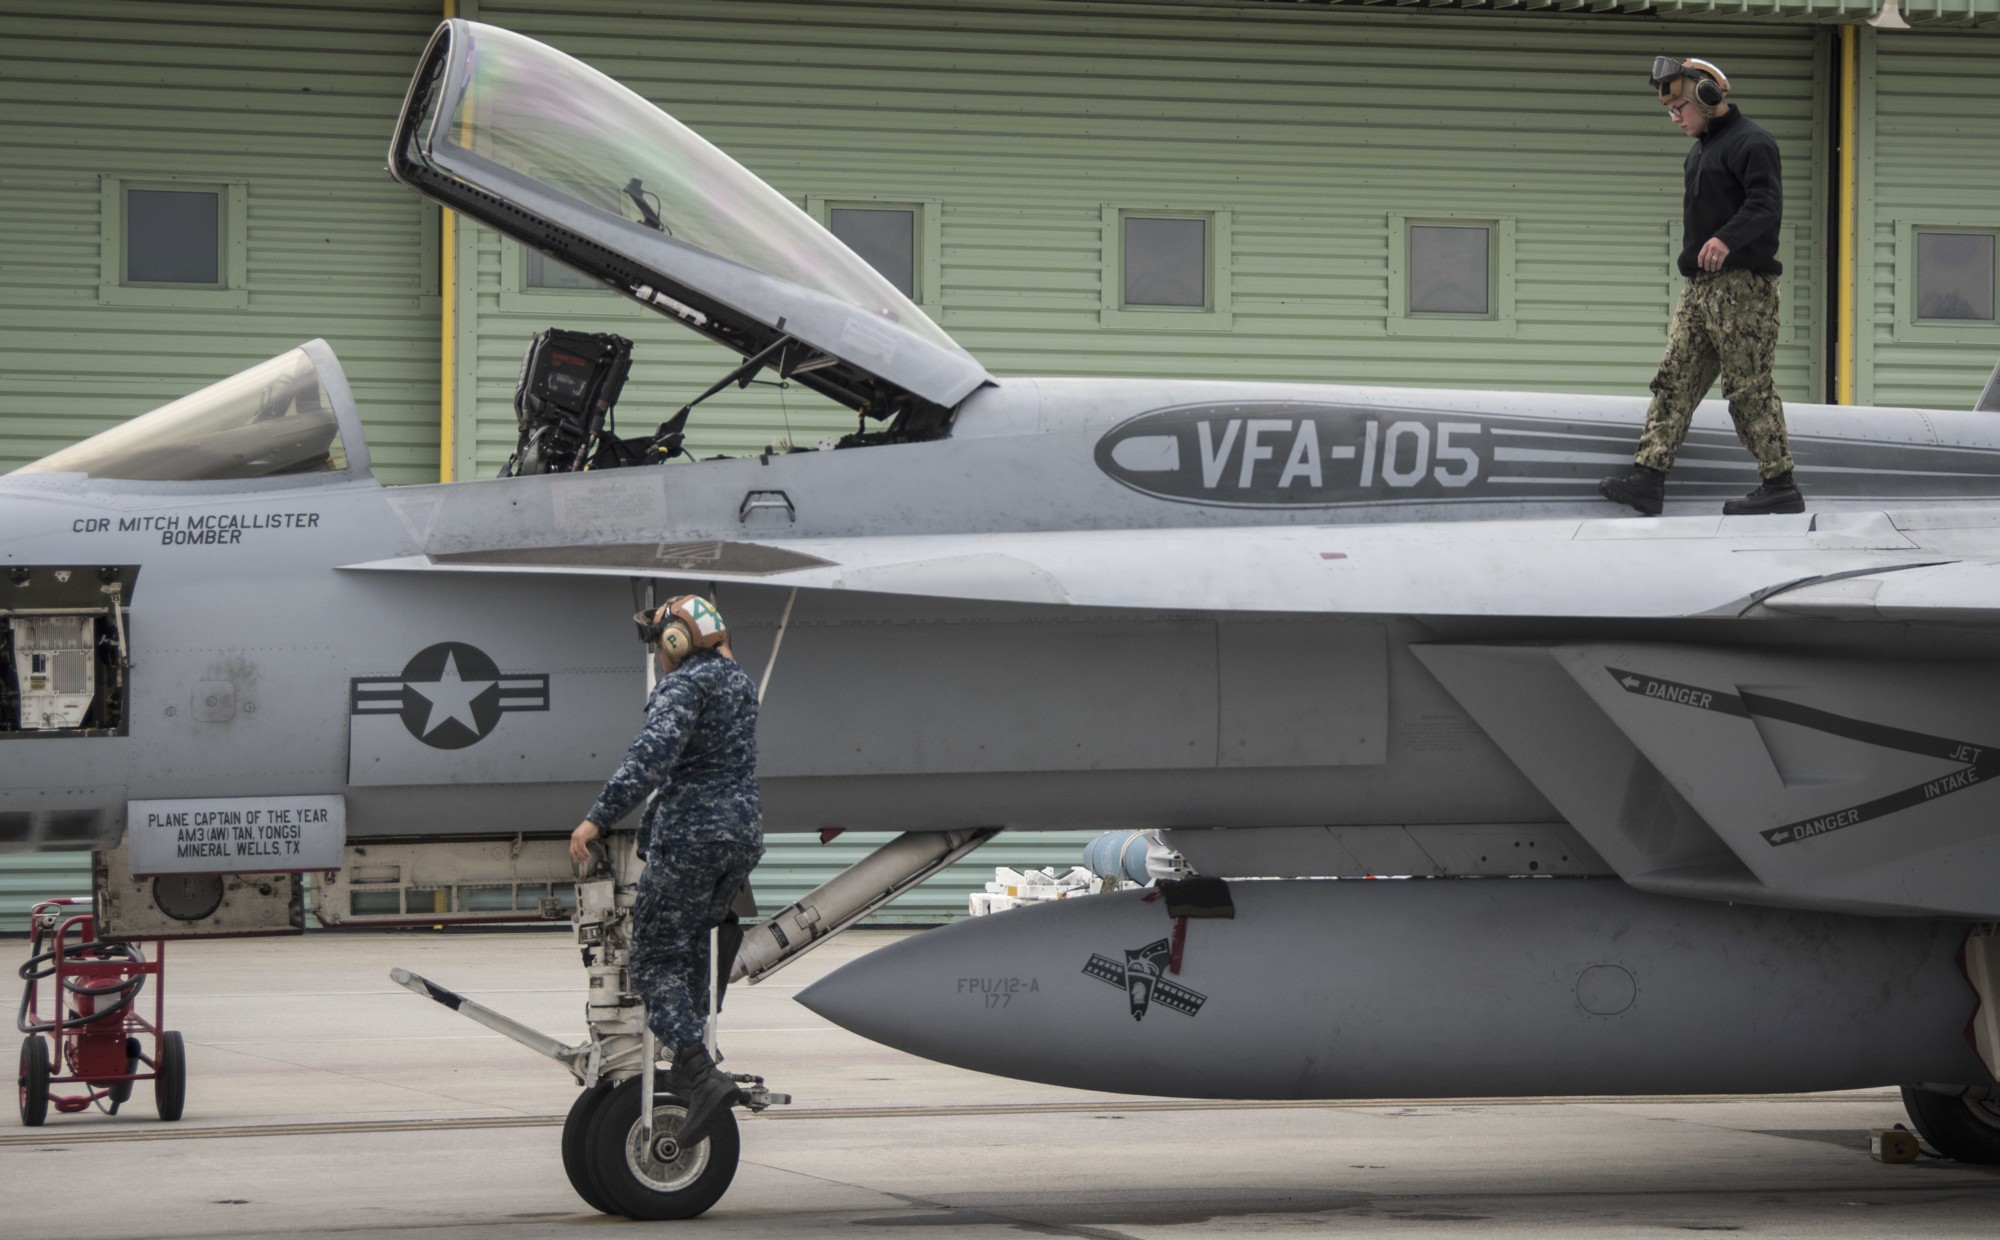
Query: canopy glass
{"points": [[276, 418], [545, 116]]}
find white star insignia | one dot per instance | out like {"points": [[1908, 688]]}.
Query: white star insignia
{"points": [[451, 697]]}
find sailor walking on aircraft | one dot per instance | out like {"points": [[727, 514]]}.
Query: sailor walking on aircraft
{"points": [[700, 836], [1727, 320]]}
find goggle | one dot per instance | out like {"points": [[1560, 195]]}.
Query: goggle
{"points": [[1665, 70], [650, 629]]}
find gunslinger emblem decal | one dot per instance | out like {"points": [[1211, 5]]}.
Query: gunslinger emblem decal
{"points": [[1142, 976], [1975, 766]]}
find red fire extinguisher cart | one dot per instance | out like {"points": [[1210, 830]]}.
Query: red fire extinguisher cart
{"points": [[93, 1031]]}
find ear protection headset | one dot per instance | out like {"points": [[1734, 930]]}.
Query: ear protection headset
{"points": [[675, 641], [682, 625], [1709, 84]]}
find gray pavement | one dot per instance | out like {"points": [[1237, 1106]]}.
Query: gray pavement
{"points": [[324, 1101]]}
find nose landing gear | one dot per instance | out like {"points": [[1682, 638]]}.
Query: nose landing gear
{"points": [[621, 1154], [642, 1176]]}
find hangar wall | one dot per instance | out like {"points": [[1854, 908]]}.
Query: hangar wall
{"points": [[1014, 126], [288, 107], [1930, 122], [1318, 133]]}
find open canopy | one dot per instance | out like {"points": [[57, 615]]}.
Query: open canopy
{"points": [[286, 417], [562, 158]]}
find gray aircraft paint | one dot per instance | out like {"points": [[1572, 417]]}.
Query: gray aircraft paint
{"points": [[1421, 989], [1283, 454], [688, 517], [1409, 677]]}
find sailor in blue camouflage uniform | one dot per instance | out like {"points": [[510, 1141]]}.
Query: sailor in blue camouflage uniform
{"points": [[699, 837]]}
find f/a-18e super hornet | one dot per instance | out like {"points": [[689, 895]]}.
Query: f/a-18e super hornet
{"points": [[1687, 804]]}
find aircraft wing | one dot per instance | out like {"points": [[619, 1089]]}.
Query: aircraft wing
{"points": [[1848, 564], [1963, 591]]}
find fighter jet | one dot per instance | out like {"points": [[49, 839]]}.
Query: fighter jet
{"points": [[1682, 804]]}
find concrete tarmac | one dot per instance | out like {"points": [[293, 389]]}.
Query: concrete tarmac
{"points": [[324, 1101]]}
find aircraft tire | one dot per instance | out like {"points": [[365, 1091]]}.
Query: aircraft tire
{"points": [[170, 1077], [34, 1081], [121, 1091], [575, 1136], [642, 1187], [1962, 1128]]}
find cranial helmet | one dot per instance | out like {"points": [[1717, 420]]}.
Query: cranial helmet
{"points": [[1695, 80], [682, 625]]}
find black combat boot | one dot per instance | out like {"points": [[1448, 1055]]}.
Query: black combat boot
{"points": [[1645, 489], [707, 1090], [1777, 494]]}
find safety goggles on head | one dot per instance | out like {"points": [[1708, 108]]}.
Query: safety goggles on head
{"points": [[1666, 71], [1709, 86], [651, 626]]}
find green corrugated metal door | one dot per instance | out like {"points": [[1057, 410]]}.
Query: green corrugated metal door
{"points": [[1931, 124], [794, 864], [1317, 132], [285, 109], [28, 878]]}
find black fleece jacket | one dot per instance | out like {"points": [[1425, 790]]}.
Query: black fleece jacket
{"points": [[1734, 192]]}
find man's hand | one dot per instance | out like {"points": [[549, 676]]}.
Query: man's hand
{"points": [[1712, 254], [579, 842]]}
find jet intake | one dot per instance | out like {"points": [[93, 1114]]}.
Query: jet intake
{"points": [[1424, 988]]}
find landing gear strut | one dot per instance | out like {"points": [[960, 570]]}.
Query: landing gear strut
{"points": [[620, 1155]]}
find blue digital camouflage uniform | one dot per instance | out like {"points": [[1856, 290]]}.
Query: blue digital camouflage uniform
{"points": [[700, 836]]}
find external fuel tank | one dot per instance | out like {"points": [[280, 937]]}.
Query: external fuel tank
{"points": [[1423, 988]]}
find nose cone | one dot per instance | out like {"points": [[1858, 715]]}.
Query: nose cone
{"points": [[1079, 993]]}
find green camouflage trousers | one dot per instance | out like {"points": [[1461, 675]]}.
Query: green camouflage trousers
{"points": [[1727, 324]]}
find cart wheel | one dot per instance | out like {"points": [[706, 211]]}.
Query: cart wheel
{"points": [[170, 1077], [121, 1091], [34, 1081], [664, 1182], [575, 1135]]}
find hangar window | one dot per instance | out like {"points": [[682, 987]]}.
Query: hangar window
{"points": [[1955, 275], [1451, 275], [173, 236], [885, 238], [1166, 268], [897, 237], [1947, 277], [1451, 269], [1165, 262], [533, 283], [538, 270], [172, 242]]}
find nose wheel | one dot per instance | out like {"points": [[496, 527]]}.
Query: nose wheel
{"points": [[616, 1163], [614, 1168], [575, 1133]]}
